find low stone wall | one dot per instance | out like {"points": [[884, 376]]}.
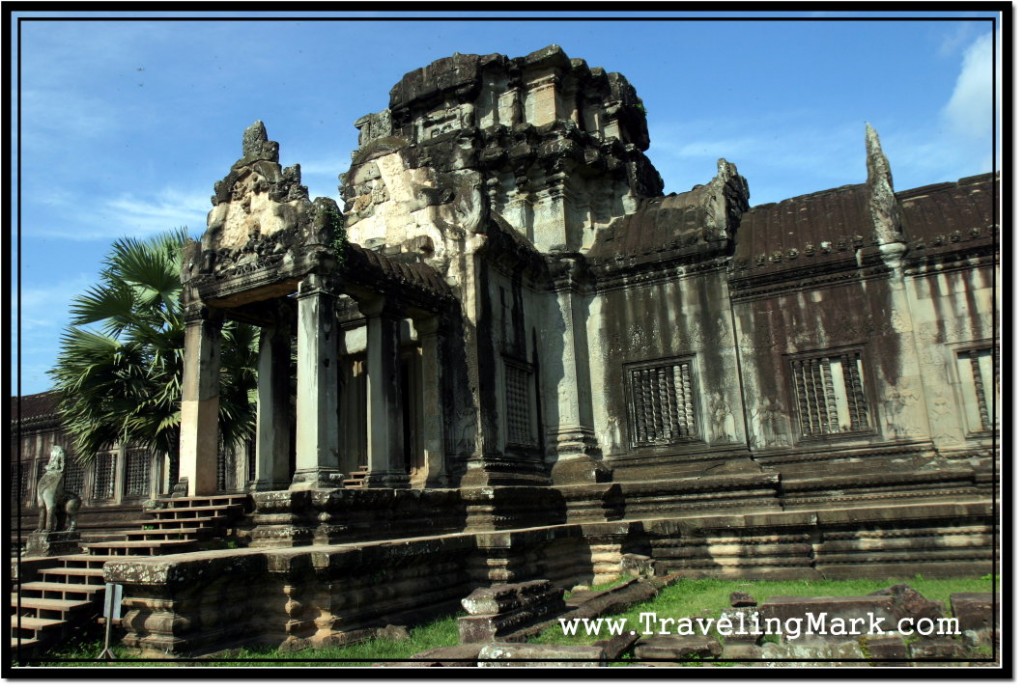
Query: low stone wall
{"points": [[865, 542], [329, 517], [319, 595], [185, 605]]}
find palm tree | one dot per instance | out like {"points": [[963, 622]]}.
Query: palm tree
{"points": [[120, 364]]}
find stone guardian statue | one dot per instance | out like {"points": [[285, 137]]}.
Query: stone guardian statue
{"points": [[58, 509]]}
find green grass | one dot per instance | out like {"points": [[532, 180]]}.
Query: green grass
{"points": [[436, 634], [708, 597]]}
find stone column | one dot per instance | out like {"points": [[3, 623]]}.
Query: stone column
{"points": [[573, 442], [272, 414], [200, 402], [384, 423], [316, 396], [432, 407]]}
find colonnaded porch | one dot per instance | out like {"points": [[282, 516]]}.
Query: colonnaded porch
{"points": [[368, 386]]}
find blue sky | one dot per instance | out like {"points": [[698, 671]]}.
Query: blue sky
{"points": [[125, 126]]}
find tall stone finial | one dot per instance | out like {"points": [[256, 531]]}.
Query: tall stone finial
{"points": [[253, 138], [256, 146], [885, 211]]}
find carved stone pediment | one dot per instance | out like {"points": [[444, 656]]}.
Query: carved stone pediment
{"points": [[262, 216]]}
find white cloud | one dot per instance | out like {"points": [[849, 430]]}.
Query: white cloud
{"points": [[969, 110], [126, 215], [777, 155], [954, 40], [44, 312]]}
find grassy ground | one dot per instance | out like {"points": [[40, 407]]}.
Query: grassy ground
{"points": [[687, 598], [708, 597], [436, 634]]}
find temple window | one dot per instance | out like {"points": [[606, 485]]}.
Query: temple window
{"points": [[103, 475], [136, 481], [978, 372], [830, 394], [518, 418], [661, 397]]}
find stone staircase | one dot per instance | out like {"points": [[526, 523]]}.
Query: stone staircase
{"points": [[356, 479], [70, 594]]}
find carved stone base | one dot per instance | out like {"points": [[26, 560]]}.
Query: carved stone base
{"points": [[580, 469], [386, 479], [50, 543], [265, 485], [499, 471], [317, 478], [180, 488]]}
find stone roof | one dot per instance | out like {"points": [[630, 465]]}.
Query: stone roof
{"points": [[961, 213], [373, 269], [829, 226], [678, 226], [660, 224], [807, 230], [36, 406]]}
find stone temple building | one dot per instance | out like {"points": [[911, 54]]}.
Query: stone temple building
{"points": [[510, 355], [509, 298]]}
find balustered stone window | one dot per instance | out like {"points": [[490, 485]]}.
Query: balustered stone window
{"points": [[104, 475], [518, 418], [21, 487], [74, 476], [978, 370], [661, 402], [136, 468], [829, 392]]}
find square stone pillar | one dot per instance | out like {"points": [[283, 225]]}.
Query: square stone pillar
{"points": [[316, 395], [200, 403], [272, 413], [384, 419], [432, 407], [572, 444]]}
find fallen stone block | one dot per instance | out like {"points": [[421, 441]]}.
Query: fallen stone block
{"points": [[451, 656], [938, 649], [741, 651], [831, 617], [740, 599], [509, 610], [677, 648], [531, 655], [615, 600], [910, 604], [638, 565], [507, 597], [619, 645], [890, 650], [973, 610], [821, 652], [743, 628]]}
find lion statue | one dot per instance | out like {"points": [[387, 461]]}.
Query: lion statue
{"points": [[56, 506]]}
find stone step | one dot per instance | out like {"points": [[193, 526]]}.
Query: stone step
{"points": [[23, 645], [143, 548], [215, 501], [63, 574], [186, 512], [68, 591], [40, 607], [84, 561], [201, 523], [33, 624], [162, 533]]}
